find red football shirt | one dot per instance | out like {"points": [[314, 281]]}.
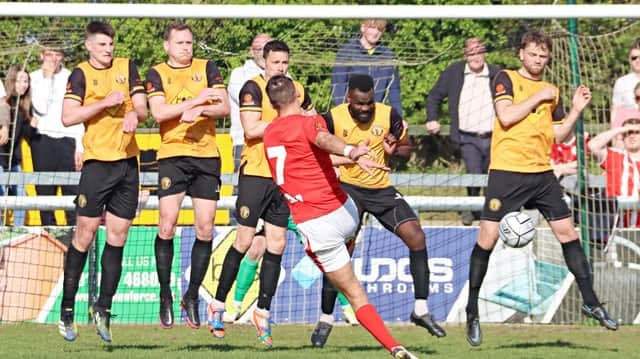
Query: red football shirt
{"points": [[303, 171]]}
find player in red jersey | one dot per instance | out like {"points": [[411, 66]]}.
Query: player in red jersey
{"points": [[298, 149]]}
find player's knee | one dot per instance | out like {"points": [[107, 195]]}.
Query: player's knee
{"points": [[257, 248], [204, 232], [166, 230]]}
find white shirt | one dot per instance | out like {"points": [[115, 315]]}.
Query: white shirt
{"points": [[47, 95], [623, 95], [238, 77], [475, 110], [3, 93]]}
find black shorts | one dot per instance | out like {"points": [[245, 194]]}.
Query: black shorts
{"points": [[198, 177], [386, 204], [259, 197], [510, 191], [111, 185]]}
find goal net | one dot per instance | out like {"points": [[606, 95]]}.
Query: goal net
{"points": [[523, 285]]}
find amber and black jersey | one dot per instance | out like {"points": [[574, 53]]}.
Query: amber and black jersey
{"points": [[103, 138], [253, 97], [526, 145], [178, 84], [385, 120]]}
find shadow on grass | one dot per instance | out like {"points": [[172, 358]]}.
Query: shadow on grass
{"points": [[328, 350], [556, 344]]}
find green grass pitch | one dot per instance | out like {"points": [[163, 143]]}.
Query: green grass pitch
{"points": [[26, 340]]}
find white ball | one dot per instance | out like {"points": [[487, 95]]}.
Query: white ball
{"points": [[517, 229]]}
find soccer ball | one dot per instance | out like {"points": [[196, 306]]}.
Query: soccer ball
{"points": [[517, 229]]}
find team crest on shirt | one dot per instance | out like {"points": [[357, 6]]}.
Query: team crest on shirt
{"points": [[121, 79], [165, 183], [95, 82], [244, 212], [500, 89], [345, 133], [82, 201], [196, 77], [150, 86], [377, 130], [494, 204]]}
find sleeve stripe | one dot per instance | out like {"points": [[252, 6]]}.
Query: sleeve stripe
{"points": [[218, 86], [504, 97], [73, 97], [155, 93], [253, 109]]}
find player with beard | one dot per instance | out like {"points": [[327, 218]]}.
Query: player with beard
{"points": [[298, 148], [358, 119], [530, 117]]}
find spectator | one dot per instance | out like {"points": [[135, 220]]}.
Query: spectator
{"points": [[623, 95], [366, 55], [622, 166], [55, 148], [467, 86], [251, 68], [20, 125]]}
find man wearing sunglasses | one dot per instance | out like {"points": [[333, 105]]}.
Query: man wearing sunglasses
{"points": [[623, 90]]}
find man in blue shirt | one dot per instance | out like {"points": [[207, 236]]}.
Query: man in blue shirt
{"points": [[365, 55]]}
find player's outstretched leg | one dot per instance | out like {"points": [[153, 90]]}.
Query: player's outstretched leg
{"points": [[477, 271], [164, 258], [577, 262], [67, 326]]}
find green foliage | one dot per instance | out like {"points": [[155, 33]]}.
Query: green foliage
{"points": [[430, 45]]}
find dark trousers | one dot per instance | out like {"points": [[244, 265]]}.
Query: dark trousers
{"points": [[54, 155], [476, 153]]}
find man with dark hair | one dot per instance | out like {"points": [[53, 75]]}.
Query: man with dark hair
{"points": [[106, 95], [359, 119], [298, 149], [467, 86], [186, 96], [530, 117], [258, 196]]}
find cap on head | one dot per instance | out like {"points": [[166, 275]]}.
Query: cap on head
{"points": [[361, 82]]}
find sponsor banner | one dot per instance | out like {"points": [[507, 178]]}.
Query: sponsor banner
{"points": [[381, 262]]}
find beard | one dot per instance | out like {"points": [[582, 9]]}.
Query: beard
{"points": [[361, 116]]}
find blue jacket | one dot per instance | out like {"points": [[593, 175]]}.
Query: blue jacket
{"points": [[352, 58]]}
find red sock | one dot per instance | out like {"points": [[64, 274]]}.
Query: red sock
{"points": [[368, 316]]}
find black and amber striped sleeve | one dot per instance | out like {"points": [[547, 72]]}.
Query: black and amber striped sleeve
{"points": [[502, 88], [154, 84], [250, 98], [214, 79], [135, 83], [76, 86]]}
